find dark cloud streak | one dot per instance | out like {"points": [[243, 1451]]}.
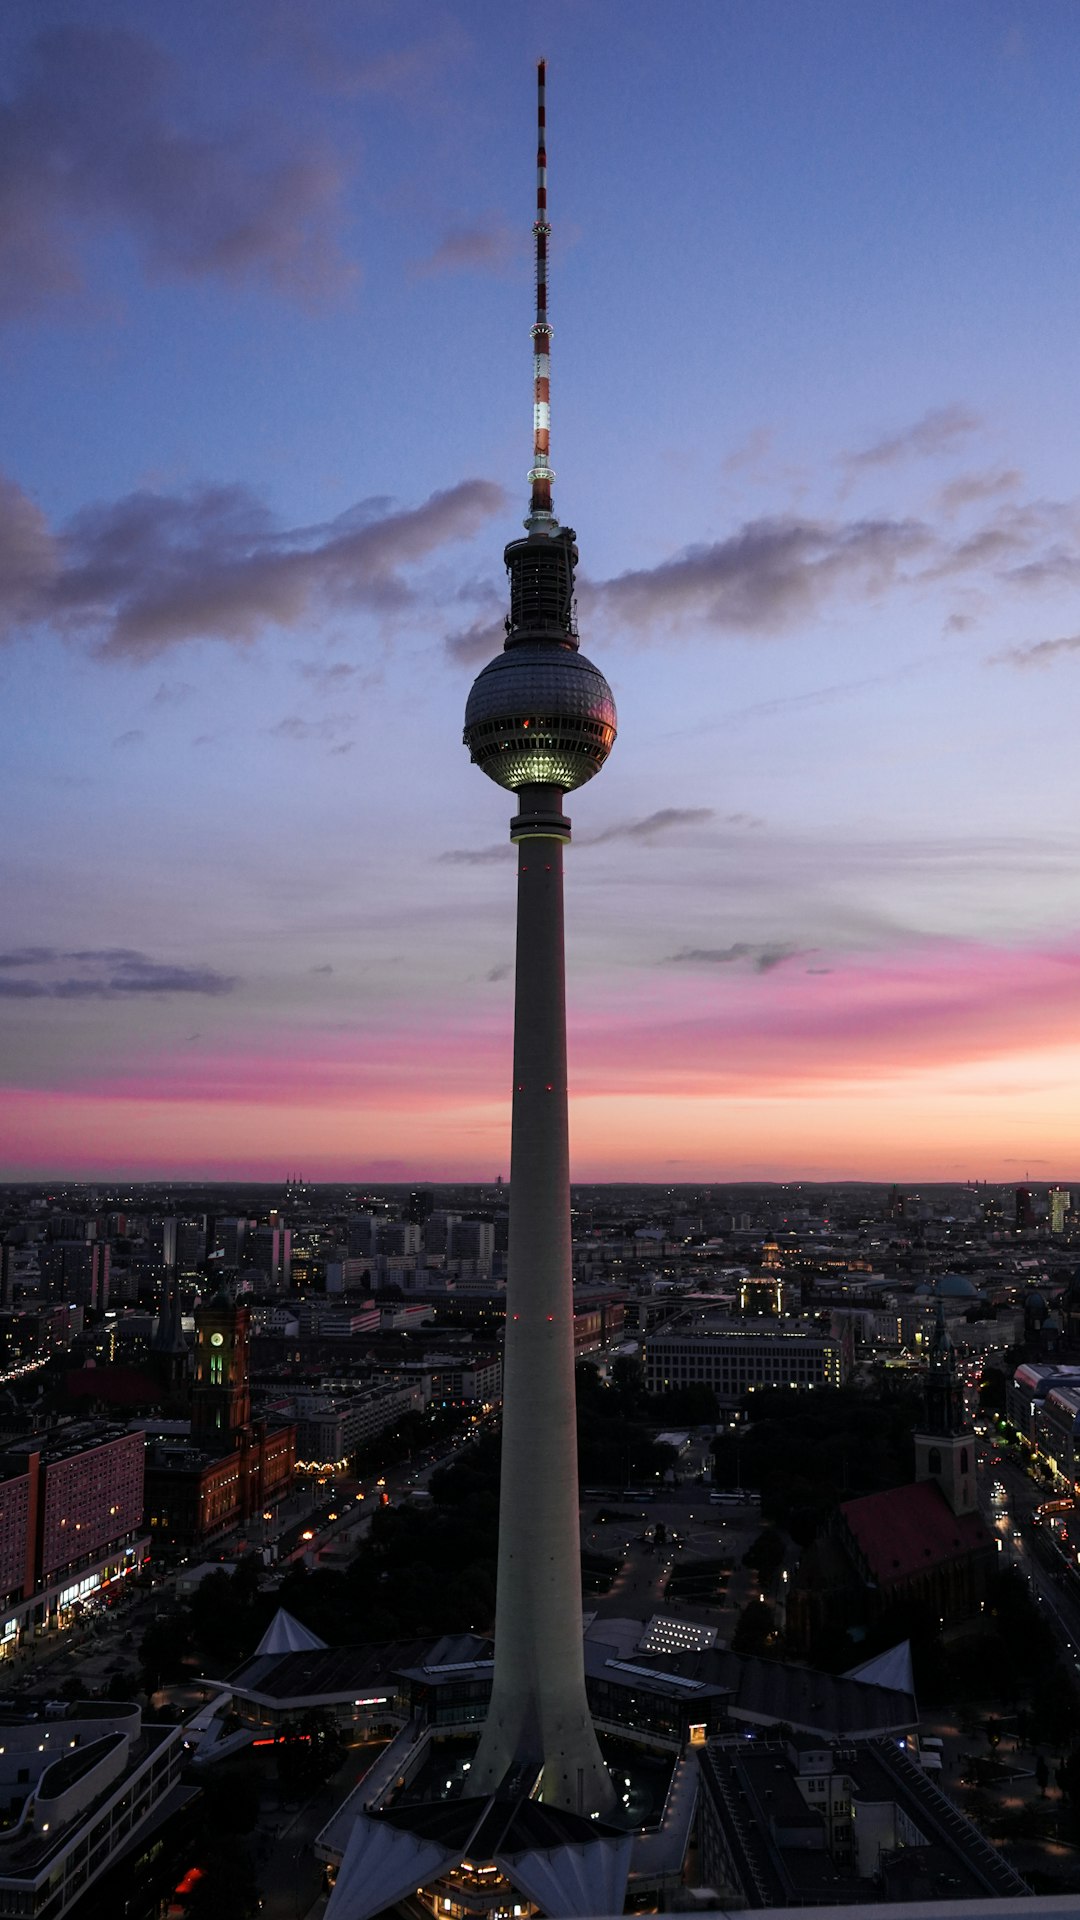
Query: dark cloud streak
{"points": [[664, 820], [760, 958], [112, 973]]}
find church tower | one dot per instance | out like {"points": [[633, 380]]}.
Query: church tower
{"points": [[945, 1441], [221, 1400]]}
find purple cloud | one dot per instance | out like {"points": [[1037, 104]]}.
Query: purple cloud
{"points": [[480, 640], [937, 432], [662, 821], [486, 246], [108, 973], [96, 138], [970, 489], [476, 856], [761, 959], [135, 576], [1039, 653], [772, 573], [765, 575]]}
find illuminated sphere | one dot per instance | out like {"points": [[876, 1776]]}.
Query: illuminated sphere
{"points": [[540, 715]]}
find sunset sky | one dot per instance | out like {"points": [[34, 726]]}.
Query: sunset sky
{"points": [[265, 408]]}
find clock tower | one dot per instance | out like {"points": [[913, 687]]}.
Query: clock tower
{"points": [[221, 1401]]}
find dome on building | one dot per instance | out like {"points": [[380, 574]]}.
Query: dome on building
{"points": [[948, 1286], [540, 714], [955, 1286]]}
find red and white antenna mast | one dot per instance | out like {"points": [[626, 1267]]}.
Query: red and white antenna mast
{"points": [[540, 473]]}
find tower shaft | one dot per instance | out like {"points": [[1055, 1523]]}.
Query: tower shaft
{"points": [[538, 1717]]}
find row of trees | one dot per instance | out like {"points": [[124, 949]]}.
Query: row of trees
{"points": [[807, 1452]]}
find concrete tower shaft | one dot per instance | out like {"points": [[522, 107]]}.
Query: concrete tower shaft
{"points": [[539, 1719]]}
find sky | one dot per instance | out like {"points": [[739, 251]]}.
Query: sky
{"points": [[265, 419]]}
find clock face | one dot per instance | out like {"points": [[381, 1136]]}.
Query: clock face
{"points": [[217, 1339]]}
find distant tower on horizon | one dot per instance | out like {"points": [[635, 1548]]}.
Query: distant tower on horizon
{"points": [[540, 720], [1023, 1210]]}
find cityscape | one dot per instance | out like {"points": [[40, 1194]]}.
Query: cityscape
{"points": [[632, 1463]]}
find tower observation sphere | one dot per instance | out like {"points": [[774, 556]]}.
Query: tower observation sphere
{"points": [[540, 715]]}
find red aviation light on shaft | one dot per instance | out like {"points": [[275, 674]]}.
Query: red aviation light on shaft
{"points": [[540, 473]]}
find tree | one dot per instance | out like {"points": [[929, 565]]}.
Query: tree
{"points": [[754, 1628], [766, 1554], [227, 1884], [308, 1751], [165, 1644]]}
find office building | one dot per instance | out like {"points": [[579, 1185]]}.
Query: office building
{"points": [[735, 1358]]}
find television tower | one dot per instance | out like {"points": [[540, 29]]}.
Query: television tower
{"points": [[540, 720]]}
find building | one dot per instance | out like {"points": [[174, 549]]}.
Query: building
{"points": [[183, 1242], [71, 1512], [1025, 1394], [268, 1252], [76, 1271], [922, 1549], [331, 1427], [1058, 1430], [803, 1823], [735, 1358], [79, 1787], [230, 1467]]}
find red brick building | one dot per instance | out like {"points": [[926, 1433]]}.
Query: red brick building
{"points": [[231, 1467]]}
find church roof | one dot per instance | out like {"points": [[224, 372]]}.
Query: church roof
{"points": [[910, 1530]]}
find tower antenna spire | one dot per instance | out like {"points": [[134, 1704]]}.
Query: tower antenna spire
{"points": [[540, 473]]}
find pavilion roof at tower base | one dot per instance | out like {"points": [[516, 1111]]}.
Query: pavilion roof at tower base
{"points": [[559, 1862]]}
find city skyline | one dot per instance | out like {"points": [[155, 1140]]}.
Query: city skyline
{"points": [[266, 431]]}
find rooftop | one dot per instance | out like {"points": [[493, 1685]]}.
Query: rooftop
{"points": [[910, 1529], [779, 1844]]}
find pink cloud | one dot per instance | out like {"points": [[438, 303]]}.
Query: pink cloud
{"points": [[951, 1004], [879, 1039]]}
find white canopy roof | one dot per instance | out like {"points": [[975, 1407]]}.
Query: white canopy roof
{"points": [[286, 1635]]}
